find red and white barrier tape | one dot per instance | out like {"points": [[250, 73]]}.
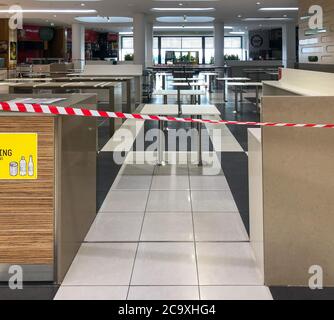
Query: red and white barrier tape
{"points": [[68, 111]]}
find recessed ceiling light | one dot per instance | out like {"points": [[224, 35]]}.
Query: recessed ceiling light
{"points": [[67, 11], [266, 19], [182, 9], [180, 19], [237, 32], [100, 19], [280, 9], [182, 27]]}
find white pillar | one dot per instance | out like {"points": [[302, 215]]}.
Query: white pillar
{"points": [[289, 45], [139, 38], [149, 44], [78, 46], [219, 33]]}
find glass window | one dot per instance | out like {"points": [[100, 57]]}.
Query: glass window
{"points": [[155, 43], [127, 43], [209, 50], [209, 43], [171, 43], [233, 46], [192, 43], [126, 47], [233, 43]]}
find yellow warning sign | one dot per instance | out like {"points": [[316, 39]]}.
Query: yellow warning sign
{"points": [[18, 156]]}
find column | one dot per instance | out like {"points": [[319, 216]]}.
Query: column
{"points": [[149, 44], [289, 45], [78, 46], [219, 43], [139, 38]]}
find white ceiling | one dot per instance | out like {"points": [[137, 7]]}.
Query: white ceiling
{"points": [[226, 10]]}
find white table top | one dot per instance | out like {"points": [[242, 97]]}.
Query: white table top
{"points": [[234, 79], [210, 73], [256, 133], [198, 110], [160, 109], [28, 79], [245, 84], [187, 84], [186, 79], [182, 92]]}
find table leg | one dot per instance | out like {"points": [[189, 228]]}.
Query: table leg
{"points": [[235, 99], [161, 145], [163, 82], [179, 100], [210, 84], [225, 91], [199, 128], [112, 107], [257, 100]]}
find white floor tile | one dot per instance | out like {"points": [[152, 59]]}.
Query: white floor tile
{"points": [[225, 226], [208, 183], [102, 264], [91, 293], [113, 226], [227, 264], [169, 201], [137, 170], [165, 264], [132, 182], [172, 182], [169, 170], [127, 200], [235, 293], [164, 293], [213, 201], [211, 171], [167, 227]]}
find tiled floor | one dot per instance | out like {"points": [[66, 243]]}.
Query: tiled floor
{"points": [[171, 232], [180, 238]]}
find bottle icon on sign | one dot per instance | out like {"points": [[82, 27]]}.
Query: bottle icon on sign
{"points": [[23, 167], [30, 167]]}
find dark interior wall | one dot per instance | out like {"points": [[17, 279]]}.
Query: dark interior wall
{"points": [[265, 44]]}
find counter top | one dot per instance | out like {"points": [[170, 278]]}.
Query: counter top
{"points": [[256, 133]]}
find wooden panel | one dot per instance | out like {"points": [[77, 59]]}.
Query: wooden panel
{"points": [[320, 44], [27, 207]]}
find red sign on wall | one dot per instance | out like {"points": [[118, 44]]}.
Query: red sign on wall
{"points": [[29, 33], [112, 37]]}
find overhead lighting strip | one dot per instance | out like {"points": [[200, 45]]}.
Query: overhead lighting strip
{"points": [[69, 11]]}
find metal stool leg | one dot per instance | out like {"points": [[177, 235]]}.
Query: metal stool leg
{"points": [[161, 145], [199, 128]]}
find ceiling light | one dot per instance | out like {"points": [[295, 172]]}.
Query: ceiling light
{"points": [[182, 9], [182, 27], [48, 11], [280, 9], [181, 19], [100, 19], [237, 32], [266, 19]]}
